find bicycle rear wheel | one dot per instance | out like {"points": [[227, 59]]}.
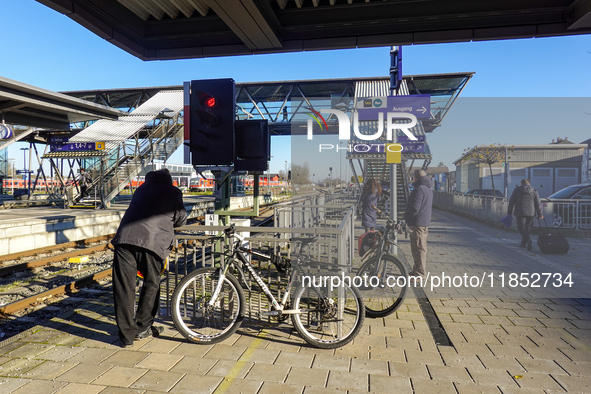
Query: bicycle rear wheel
{"points": [[383, 296], [328, 318], [195, 319]]}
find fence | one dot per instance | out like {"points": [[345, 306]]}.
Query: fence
{"points": [[487, 207], [193, 250], [571, 214], [574, 214]]}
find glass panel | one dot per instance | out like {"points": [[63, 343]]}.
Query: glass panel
{"points": [[585, 194], [542, 172], [567, 173]]}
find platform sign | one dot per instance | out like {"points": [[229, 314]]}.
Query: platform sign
{"points": [[419, 105], [393, 153], [59, 140], [404, 138], [211, 220], [77, 146]]}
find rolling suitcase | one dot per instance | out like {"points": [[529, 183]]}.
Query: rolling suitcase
{"points": [[552, 243]]}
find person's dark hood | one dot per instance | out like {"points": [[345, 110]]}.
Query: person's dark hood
{"points": [[425, 181], [528, 189], [161, 176]]}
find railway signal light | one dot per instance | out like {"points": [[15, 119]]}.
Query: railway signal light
{"points": [[212, 115], [253, 145]]}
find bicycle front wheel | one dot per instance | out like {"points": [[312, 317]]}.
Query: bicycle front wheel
{"points": [[328, 318], [382, 294], [195, 318]]}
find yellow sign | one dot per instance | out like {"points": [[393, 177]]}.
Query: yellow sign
{"points": [[99, 145], [393, 153]]}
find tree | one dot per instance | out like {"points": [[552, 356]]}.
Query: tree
{"points": [[440, 164], [489, 155], [300, 174]]}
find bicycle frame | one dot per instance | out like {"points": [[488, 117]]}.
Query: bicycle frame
{"points": [[240, 253]]}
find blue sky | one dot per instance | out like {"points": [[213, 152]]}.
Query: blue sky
{"points": [[44, 48]]}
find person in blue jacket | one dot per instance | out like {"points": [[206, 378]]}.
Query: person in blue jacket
{"points": [[418, 218]]}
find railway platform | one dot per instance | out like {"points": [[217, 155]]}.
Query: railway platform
{"points": [[36, 227], [503, 342]]}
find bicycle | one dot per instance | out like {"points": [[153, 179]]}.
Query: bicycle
{"points": [[384, 297], [208, 304]]}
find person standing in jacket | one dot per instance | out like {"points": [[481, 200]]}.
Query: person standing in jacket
{"points": [[525, 204], [142, 243], [418, 218], [83, 180], [372, 191]]}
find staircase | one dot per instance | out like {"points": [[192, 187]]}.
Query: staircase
{"points": [[380, 170], [127, 160]]}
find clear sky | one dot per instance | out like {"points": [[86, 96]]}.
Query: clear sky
{"points": [[44, 48]]}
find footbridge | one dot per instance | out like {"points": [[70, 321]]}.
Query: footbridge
{"points": [[153, 131], [151, 128]]}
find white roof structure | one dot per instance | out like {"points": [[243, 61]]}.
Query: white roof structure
{"points": [[168, 103]]}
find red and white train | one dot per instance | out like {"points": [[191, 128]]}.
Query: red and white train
{"points": [[22, 183]]}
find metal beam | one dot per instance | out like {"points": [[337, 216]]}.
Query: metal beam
{"points": [[581, 11], [247, 22]]}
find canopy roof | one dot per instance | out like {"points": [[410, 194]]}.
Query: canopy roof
{"points": [[175, 29], [27, 105]]}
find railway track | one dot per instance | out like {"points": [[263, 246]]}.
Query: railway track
{"points": [[60, 285]]}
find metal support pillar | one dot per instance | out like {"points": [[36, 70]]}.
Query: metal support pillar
{"points": [[395, 77]]}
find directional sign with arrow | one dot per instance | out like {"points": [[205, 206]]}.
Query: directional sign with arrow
{"points": [[419, 105]]}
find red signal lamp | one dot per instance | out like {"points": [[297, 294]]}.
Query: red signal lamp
{"points": [[210, 102]]}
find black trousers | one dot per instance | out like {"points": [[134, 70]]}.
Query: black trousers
{"points": [[127, 262], [524, 225]]}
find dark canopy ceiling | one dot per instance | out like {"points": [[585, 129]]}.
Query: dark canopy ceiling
{"points": [[173, 29]]}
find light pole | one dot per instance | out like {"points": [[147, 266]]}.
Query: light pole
{"points": [[286, 181], [269, 191], [25, 165], [12, 167], [340, 165]]}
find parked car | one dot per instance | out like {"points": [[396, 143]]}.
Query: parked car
{"points": [[569, 207], [484, 192]]}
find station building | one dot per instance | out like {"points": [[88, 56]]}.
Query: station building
{"points": [[549, 168]]}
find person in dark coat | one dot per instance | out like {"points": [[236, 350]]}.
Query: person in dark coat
{"points": [[142, 243], [418, 218], [372, 191], [525, 204], [83, 180]]}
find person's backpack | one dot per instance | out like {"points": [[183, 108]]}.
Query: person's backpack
{"points": [[366, 242]]}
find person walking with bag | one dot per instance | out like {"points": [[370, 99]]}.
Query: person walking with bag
{"points": [[418, 218], [525, 205], [142, 242]]}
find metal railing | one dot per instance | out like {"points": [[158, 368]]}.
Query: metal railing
{"points": [[332, 252], [572, 214], [575, 214], [487, 207]]}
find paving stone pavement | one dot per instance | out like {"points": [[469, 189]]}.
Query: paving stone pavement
{"points": [[538, 342]]}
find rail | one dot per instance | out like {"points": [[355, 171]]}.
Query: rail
{"points": [[573, 214], [332, 251]]}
